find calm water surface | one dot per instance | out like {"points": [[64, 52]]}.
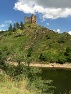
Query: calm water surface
{"points": [[61, 79]]}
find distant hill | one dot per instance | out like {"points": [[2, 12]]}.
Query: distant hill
{"points": [[35, 43]]}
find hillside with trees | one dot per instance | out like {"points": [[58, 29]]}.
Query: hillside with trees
{"points": [[34, 43], [30, 43]]}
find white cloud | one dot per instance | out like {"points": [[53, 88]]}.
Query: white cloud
{"points": [[2, 25], [2, 30], [47, 23], [8, 21], [5, 25], [69, 32], [58, 30], [48, 8]]}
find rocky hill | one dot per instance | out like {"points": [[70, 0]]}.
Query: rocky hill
{"points": [[35, 43]]}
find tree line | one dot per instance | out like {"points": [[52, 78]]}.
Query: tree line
{"points": [[58, 58], [16, 26]]}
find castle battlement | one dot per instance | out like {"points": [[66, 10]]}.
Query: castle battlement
{"points": [[31, 19]]}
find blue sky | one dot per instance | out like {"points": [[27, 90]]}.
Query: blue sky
{"points": [[53, 14]]}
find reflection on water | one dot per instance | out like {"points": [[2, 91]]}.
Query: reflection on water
{"points": [[43, 86], [61, 79]]}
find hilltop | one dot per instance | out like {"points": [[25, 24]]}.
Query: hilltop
{"points": [[35, 43]]}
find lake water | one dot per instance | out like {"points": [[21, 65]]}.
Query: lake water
{"points": [[61, 79]]}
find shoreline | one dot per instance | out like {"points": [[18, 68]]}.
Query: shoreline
{"points": [[48, 65], [51, 65]]}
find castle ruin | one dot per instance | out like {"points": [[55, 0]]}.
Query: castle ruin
{"points": [[31, 19]]}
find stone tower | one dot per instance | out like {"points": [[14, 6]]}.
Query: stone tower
{"points": [[31, 19]]}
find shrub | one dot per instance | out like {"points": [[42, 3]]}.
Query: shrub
{"points": [[61, 59], [42, 57], [68, 54]]}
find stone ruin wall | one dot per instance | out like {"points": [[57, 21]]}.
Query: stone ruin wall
{"points": [[31, 19]]}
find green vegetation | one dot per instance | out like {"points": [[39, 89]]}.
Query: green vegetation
{"points": [[30, 43], [8, 85], [24, 80], [35, 43]]}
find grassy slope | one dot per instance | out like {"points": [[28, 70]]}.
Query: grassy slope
{"points": [[42, 40], [10, 86]]}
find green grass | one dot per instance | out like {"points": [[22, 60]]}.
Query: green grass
{"points": [[10, 86]]}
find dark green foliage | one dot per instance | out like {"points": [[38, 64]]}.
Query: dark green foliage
{"points": [[19, 70], [29, 52], [10, 28], [21, 25], [42, 58], [61, 40], [14, 27], [3, 57], [68, 54], [18, 35], [35, 80], [61, 58], [17, 25], [47, 37]]}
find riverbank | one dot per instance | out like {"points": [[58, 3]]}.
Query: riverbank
{"points": [[51, 65], [48, 65]]}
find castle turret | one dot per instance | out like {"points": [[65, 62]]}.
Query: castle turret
{"points": [[31, 19]]}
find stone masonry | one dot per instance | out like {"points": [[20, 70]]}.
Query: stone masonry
{"points": [[31, 19]]}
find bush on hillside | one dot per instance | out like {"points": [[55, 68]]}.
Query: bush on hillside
{"points": [[68, 54]]}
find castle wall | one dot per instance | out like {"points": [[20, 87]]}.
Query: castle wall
{"points": [[31, 19], [27, 20]]}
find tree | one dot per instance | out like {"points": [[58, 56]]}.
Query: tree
{"points": [[10, 28], [14, 27], [3, 57], [19, 58], [0, 56], [68, 54], [42, 58], [21, 25], [61, 40], [17, 25], [61, 58], [29, 52]]}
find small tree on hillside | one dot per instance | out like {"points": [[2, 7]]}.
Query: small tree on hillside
{"points": [[42, 58], [10, 28], [14, 27], [21, 25], [29, 53], [68, 54], [17, 25], [19, 59], [3, 57]]}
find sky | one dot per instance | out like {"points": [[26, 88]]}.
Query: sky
{"points": [[53, 14]]}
